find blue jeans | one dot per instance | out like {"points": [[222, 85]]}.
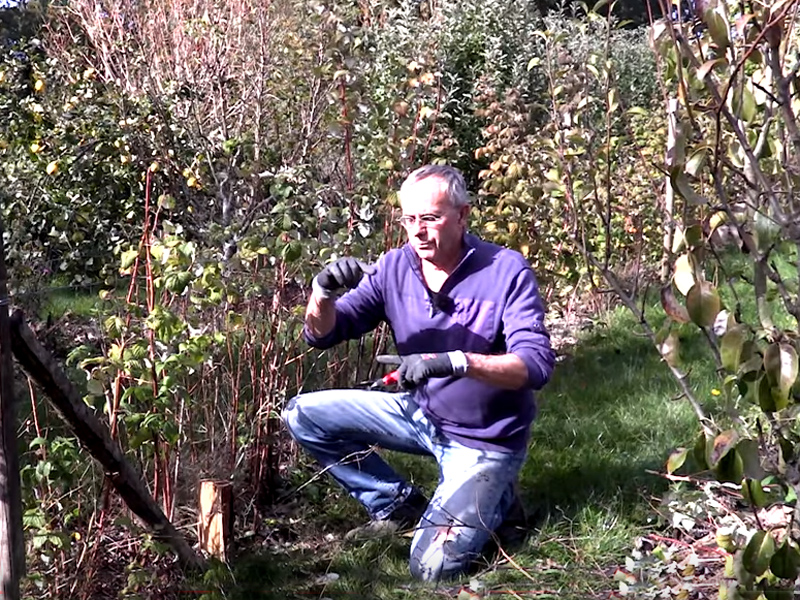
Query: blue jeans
{"points": [[476, 487]]}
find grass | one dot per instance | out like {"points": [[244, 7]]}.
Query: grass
{"points": [[79, 302], [607, 418]]}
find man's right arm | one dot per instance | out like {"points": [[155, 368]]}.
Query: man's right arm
{"points": [[330, 320], [320, 315]]}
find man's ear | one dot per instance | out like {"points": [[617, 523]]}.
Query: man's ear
{"points": [[464, 213]]}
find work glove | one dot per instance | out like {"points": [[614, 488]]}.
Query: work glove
{"points": [[344, 273], [416, 369]]}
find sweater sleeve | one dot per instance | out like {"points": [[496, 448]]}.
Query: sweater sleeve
{"points": [[524, 329], [358, 311]]}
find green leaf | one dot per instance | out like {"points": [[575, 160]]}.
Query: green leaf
{"points": [[696, 162], [730, 468], [781, 366], [753, 493], [717, 27], [700, 451], [95, 387], [128, 258], [744, 104], [693, 236], [178, 282], [703, 304], [763, 395], [730, 348], [758, 553], [766, 230], [749, 450], [773, 593], [786, 561], [36, 442], [676, 460], [681, 185]]}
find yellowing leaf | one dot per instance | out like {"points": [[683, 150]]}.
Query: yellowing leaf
{"points": [[677, 312], [670, 348], [678, 240], [717, 219], [707, 66], [684, 274], [781, 366], [723, 443]]}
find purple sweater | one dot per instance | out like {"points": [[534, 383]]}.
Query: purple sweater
{"points": [[490, 304]]}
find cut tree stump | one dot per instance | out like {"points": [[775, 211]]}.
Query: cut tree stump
{"points": [[216, 518], [95, 436]]}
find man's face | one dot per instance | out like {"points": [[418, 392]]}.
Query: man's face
{"points": [[435, 228]]}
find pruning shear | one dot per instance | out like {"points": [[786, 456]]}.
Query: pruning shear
{"points": [[389, 379]]}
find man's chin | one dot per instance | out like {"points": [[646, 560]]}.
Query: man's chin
{"points": [[426, 252]]}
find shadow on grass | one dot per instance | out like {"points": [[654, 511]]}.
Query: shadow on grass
{"points": [[608, 416]]}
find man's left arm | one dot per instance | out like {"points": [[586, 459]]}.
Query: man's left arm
{"points": [[507, 371], [529, 359]]}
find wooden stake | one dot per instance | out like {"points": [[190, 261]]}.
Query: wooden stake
{"points": [[12, 551], [215, 518]]}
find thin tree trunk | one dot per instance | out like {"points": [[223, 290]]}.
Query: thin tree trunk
{"points": [[669, 195], [12, 551]]}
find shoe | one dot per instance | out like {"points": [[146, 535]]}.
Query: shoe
{"points": [[511, 533], [404, 517], [514, 528]]}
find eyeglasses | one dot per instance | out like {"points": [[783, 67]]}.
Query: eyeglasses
{"points": [[426, 220]]}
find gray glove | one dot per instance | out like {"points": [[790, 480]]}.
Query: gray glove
{"points": [[344, 273], [416, 369]]}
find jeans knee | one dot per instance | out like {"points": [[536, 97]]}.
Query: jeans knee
{"points": [[289, 416], [437, 558]]}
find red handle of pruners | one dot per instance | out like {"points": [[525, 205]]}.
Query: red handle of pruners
{"points": [[391, 378]]}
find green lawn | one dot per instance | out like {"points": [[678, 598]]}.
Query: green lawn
{"points": [[608, 416]]}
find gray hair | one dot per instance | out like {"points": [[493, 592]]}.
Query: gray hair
{"points": [[452, 178]]}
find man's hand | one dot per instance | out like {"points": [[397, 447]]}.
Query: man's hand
{"points": [[418, 368], [344, 273]]}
